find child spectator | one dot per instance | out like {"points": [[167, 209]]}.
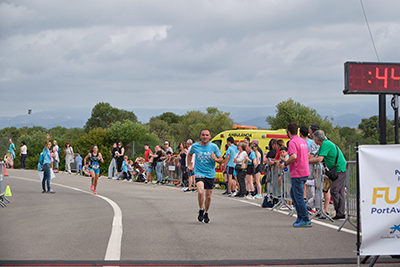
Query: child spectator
{"points": [[78, 160], [139, 170], [86, 171], [283, 159], [124, 174]]}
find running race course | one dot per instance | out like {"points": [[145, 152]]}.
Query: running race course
{"points": [[136, 223]]}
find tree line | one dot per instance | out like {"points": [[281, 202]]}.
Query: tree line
{"points": [[108, 124]]}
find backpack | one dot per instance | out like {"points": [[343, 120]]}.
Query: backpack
{"points": [[267, 202], [41, 161]]}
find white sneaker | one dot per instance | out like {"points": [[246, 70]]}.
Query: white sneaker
{"points": [[183, 189], [284, 208], [233, 194], [249, 197]]}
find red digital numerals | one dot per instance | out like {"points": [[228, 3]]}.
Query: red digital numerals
{"points": [[372, 78]]}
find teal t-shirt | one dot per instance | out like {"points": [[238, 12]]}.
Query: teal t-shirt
{"points": [[252, 156], [329, 152], [232, 151], [11, 150], [204, 165]]}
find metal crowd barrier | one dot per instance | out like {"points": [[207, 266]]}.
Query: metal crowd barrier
{"points": [[174, 173], [351, 193], [314, 198], [284, 188], [318, 201], [2, 187]]}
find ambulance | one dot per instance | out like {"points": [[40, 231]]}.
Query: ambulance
{"points": [[239, 133]]}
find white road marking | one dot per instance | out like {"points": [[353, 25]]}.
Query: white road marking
{"points": [[113, 252], [294, 215]]}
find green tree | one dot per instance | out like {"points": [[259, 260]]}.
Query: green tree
{"points": [[194, 121], [161, 129], [169, 117], [127, 131], [370, 130], [290, 111], [104, 115]]}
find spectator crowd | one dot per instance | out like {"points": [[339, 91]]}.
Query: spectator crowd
{"points": [[243, 167]]}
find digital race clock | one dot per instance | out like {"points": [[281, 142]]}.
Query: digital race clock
{"points": [[371, 78]]}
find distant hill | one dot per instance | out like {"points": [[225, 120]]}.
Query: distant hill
{"points": [[254, 116]]}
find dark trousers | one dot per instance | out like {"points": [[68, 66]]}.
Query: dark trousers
{"points": [[23, 158], [337, 193], [119, 163], [242, 184], [46, 177], [185, 177]]}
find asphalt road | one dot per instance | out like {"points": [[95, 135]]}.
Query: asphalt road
{"points": [[159, 226]]}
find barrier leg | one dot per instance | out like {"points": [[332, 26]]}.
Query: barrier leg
{"points": [[6, 199], [2, 203], [344, 222], [373, 261], [365, 259]]}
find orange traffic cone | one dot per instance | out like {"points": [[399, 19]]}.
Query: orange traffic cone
{"points": [[5, 171]]}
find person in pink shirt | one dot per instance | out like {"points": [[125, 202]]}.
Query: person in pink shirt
{"points": [[299, 172]]}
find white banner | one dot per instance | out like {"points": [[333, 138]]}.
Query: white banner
{"points": [[380, 199]]}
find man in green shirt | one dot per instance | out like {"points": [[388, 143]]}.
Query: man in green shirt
{"points": [[327, 153]]}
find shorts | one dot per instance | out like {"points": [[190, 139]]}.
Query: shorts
{"points": [[96, 172], [208, 182], [230, 170], [191, 173], [259, 168], [250, 170], [150, 169], [79, 167]]}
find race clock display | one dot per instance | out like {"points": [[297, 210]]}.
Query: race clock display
{"points": [[372, 78]]}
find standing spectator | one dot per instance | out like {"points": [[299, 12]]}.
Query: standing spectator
{"points": [[148, 169], [158, 158], [258, 168], [78, 160], [69, 156], [299, 172], [279, 144], [46, 167], [328, 152], [119, 156], [304, 134], [229, 166], [24, 154], [241, 173], [190, 171], [112, 168], [182, 161], [270, 156], [56, 152], [206, 155], [251, 162], [11, 149], [95, 158], [168, 152], [314, 147]]}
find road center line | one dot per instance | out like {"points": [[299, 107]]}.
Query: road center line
{"points": [[113, 252]]}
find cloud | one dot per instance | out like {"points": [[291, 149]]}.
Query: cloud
{"points": [[164, 54]]}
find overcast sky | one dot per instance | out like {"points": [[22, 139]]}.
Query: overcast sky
{"points": [[187, 54]]}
